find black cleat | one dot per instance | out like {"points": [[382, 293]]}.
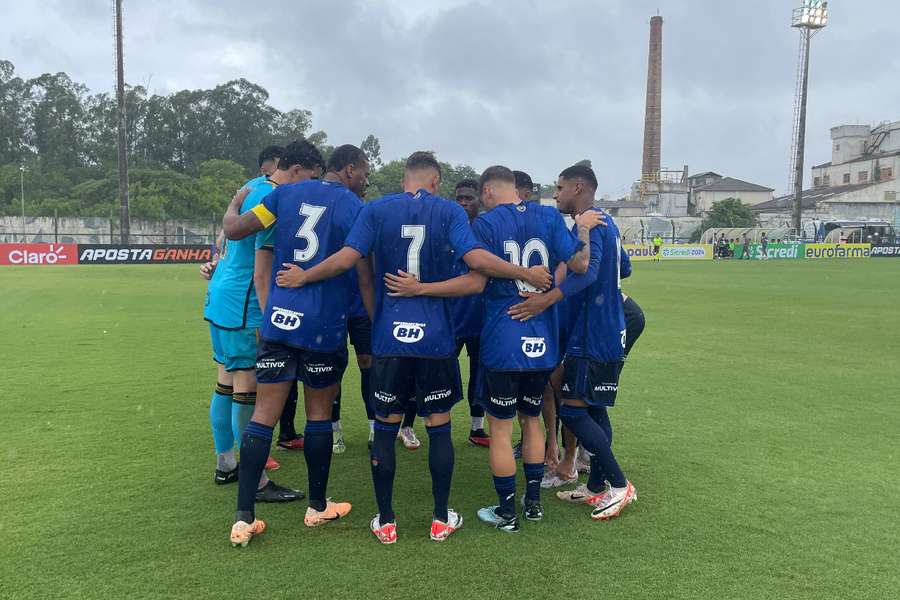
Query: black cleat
{"points": [[272, 492], [226, 477], [533, 511]]}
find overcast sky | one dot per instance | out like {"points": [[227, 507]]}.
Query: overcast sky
{"points": [[535, 85]]}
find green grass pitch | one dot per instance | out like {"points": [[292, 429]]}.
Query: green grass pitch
{"points": [[758, 418]]}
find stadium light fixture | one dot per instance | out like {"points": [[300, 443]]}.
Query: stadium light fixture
{"points": [[809, 19]]}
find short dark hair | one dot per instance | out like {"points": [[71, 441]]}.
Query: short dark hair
{"points": [[345, 155], [469, 183], [582, 172], [300, 152], [270, 153], [423, 160], [497, 173], [523, 180]]}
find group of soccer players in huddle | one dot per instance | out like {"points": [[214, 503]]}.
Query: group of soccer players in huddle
{"points": [[414, 277]]}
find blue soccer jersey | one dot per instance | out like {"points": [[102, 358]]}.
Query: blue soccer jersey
{"points": [[466, 312], [357, 308], [525, 234], [313, 218], [231, 298], [424, 235], [595, 312]]}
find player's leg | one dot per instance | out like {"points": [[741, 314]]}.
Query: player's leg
{"points": [[548, 414], [245, 403], [581, 378], [360, 330], [503, 469], [321, 376], [287, 430], [407, 434], [438, 389], [477, 435], [220, 423], [565, 472], [531, 397], [257, 439], [337, 433], [392, 381]]}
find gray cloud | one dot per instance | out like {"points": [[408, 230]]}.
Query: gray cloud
{"points": [[535, 85]]}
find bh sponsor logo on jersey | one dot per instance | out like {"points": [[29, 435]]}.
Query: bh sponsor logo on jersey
{"points": [[438, 395], [534, 347], [283, 318], [408, 333], [38, 254], [268, 363]]}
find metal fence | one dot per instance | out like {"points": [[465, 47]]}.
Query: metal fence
{"points": [[100, 230]]}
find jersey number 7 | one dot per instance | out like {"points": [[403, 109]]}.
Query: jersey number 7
{"points": [[415, 233]]}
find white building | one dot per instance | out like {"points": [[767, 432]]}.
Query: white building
{"points": [[704, 196]]}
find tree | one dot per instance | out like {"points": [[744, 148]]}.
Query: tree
{"points": [[372, 148], [727, 213]]}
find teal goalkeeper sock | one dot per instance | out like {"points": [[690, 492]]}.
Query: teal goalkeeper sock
{"points": [[241, 412], [220, 419]]}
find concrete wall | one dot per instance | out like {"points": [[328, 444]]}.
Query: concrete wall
{"points": [[100, 230], [835, 173]]}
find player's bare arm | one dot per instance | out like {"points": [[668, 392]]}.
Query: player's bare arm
{"points": [[262, 275], [405, 285], [365, 275], [487, 264], [339, 262], [237, 226], [585, 221]]}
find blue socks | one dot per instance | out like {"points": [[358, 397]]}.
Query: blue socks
{"points": [[254, 453], [440, 463], [534, 473], [317, 451], [220, 418], [506, 495], [241, 411], [599, 414], [384, 466], [594, 440]]}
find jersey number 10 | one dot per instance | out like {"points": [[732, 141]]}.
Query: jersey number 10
{"points": [[522, 257]]}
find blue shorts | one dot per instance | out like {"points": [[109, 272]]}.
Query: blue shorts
{"points": [[505, 393], [431, 385], [594, 383], [276, 363], [234, 348]]}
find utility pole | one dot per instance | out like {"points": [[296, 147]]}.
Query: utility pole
{"points": [[22, 170], [125, 223]]}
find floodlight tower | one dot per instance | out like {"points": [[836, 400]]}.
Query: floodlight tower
{"points": [[809, 19]]}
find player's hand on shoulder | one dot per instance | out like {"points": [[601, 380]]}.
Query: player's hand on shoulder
{"points": [[533, 305], [402, 285], [240, 196], [539, 277], [590, 219], [291, 276]]}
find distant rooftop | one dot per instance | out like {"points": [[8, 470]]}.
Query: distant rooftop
{"points": [[730, 184]]}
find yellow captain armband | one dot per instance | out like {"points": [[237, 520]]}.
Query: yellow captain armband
{"points": [[262, 213]]}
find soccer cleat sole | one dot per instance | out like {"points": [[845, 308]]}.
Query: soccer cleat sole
{"points": [[244, 537]]}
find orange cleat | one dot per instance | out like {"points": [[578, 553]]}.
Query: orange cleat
{"points": [[272, 464], [614, 503], [333, 511], [242, 532]]}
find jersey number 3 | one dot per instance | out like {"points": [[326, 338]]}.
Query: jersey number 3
{"points": [[307, 231]]}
